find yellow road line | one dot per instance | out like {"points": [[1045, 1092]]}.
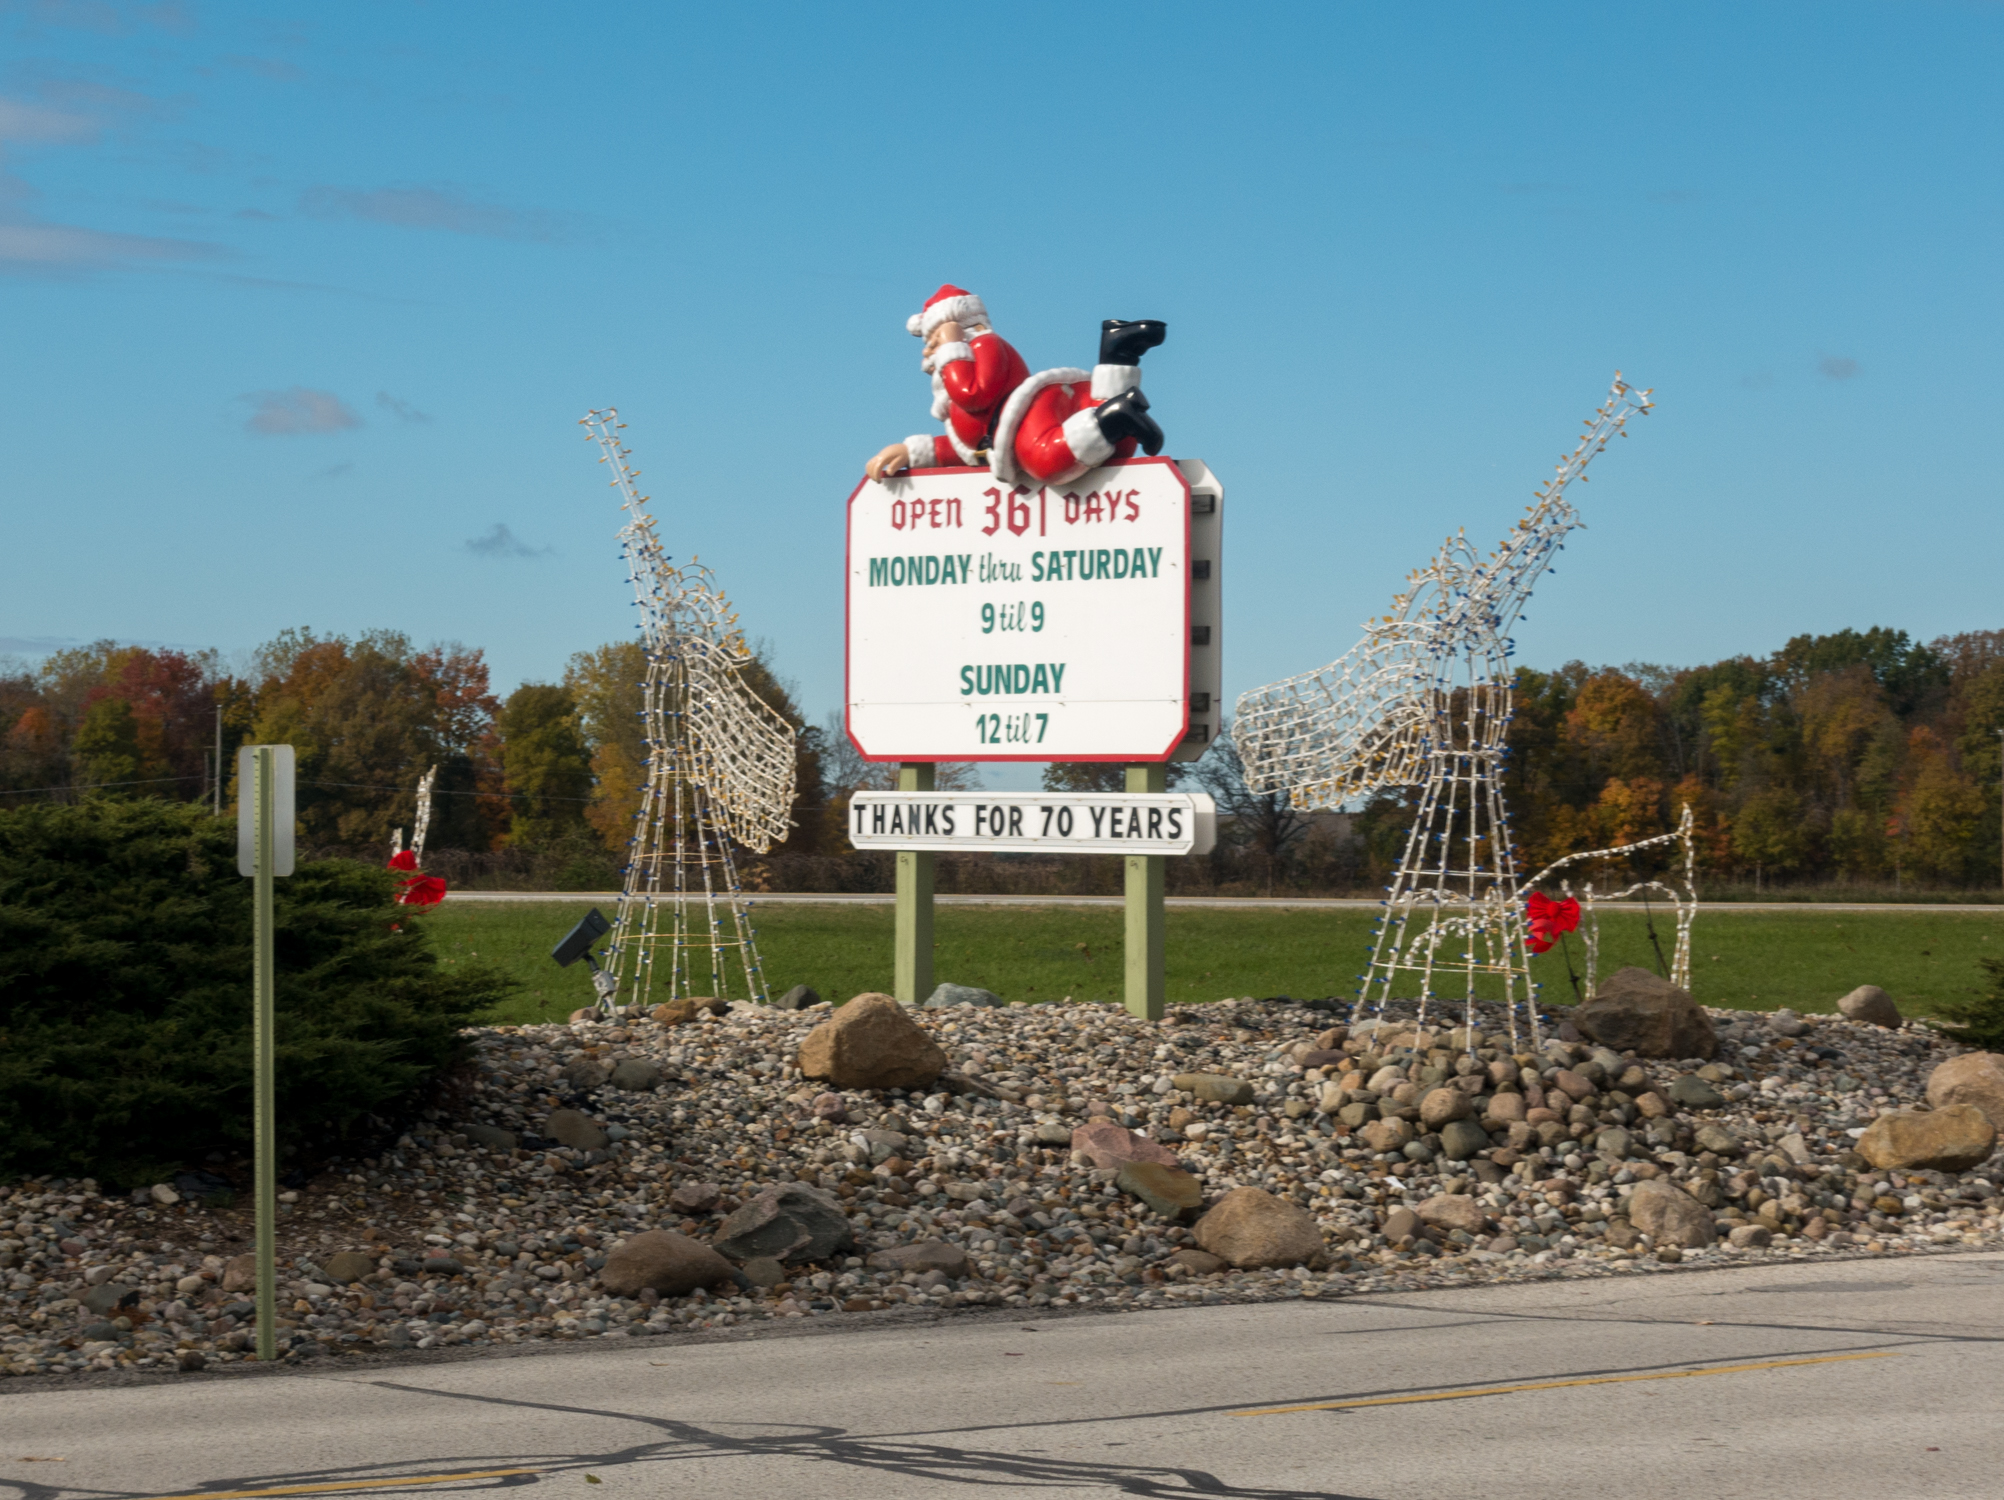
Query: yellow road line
{"points": [[331, 1486], [1554, 1385]]}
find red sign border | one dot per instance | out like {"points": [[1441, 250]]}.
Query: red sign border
{"points": [[848, 573]]}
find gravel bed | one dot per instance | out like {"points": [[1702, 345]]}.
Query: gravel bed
{"points": [[453, 1242]]}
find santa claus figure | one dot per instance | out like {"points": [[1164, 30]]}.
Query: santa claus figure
{"points": [[1046, 428]]}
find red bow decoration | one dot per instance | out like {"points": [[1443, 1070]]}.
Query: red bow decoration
{"points": [[423, 890], [419, 890], [1549, 918]]}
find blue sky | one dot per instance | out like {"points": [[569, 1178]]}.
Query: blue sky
{"points": [[301, 304]]}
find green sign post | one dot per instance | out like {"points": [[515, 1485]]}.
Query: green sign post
{"points": [[265, 804], [911, 966]]}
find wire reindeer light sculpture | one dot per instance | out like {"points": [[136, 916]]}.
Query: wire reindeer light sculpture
{"points": [[422, 824], [1424, 701], [720, 769], [1684, 897]]}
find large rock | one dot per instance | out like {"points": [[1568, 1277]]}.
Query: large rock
{"points": [[492, 1137], [1215, 1088], [673, 1264], [960, 994], [1973, 1078], [1454, 1211], [1388, 1135], [1442, 1105], [1953, 1138], [1693, 1092], [1400, 1224], [1870, 1003], [925, 1255], [1461, 1139], [240, 1273], [636, 1075], [1106, 1144], [568, 1127], [1670, 1216], [1637, 1011], [695, 1197], [345, 1266], [792, 1222], [1170, 1191], [800, 997], [586, 1073], [108, 1297], [871, 1043], [1251, 1229]]}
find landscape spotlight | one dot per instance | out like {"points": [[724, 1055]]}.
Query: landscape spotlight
{"points": [[577, 945]]}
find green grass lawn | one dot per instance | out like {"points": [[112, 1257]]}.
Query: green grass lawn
{"points": [[1751, 960]]}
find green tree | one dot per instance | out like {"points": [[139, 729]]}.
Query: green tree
{"points": [[125, 1022], [547, 764], [1767, 832], [106, 749]]}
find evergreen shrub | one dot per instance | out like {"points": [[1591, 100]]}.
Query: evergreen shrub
{"points": [[125, 994], [1978, 1022]]}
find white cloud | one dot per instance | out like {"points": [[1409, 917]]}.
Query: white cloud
{"points": [[299, 410], [440, 208]]}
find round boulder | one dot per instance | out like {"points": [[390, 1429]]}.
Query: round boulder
{"points": [[1871, 1004], [1251, 1229], [1975, 1078], [1670, 1216], [1953, 1138], [871, 1043], [672, 1264]]}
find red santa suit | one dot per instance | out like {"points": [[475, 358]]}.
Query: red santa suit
{"points": [[1034, 428]]}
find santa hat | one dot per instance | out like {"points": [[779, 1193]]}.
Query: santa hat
{"points": [[949, 304]]}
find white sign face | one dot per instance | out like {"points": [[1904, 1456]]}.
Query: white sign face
{"points": [[1036, 822], [1033, 623]]}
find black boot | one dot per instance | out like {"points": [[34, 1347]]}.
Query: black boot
{"points": [[1126, 416], [1124, 343]]}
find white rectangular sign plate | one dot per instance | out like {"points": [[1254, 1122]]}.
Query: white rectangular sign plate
{"points": [[1033, 623], [283, 806], [1036, 822]]}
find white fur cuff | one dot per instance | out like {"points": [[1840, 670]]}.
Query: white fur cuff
{"points": [[1109, 381], [920, 449], [965, 311], [1089, 445], [946, 354]]}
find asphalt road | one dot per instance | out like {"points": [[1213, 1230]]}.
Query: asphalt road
{"points": [[1873, 1380], [1329, 903]]}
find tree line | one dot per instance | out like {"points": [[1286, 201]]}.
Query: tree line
{"points": [[1857, 757]]}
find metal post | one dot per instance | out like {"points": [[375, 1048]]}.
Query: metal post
{"points": [[1144, 911], [265, 772], [912, 970]]}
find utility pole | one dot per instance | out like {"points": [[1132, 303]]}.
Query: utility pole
{"points": [[219, 761]]}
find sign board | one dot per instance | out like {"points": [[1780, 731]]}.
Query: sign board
{"points": [[1036, 822], [284, 810], [987, 622]]}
